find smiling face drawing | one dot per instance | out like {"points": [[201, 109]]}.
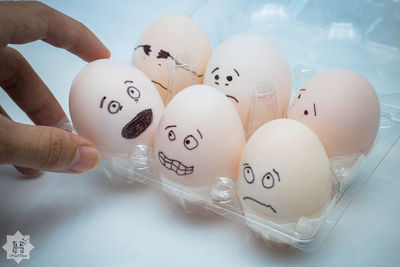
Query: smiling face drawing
{"points": [[199, 138], [115, 106], [284, 173], [241, 63], [163, 41]]}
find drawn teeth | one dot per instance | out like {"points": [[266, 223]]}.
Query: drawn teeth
{"points": [[174, 165]]}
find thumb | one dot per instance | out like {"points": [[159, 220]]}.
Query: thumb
{"points": [[45, 148]]}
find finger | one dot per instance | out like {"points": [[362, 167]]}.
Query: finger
{"points": [[27, 90], [23, 170], [45, 148], [24, 22]]}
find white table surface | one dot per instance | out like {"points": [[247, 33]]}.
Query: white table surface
{"points": [[85, 220]]}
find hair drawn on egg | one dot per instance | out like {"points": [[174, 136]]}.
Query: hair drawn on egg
{"points": [[190, 142], [268, 181], [140, 122], [163, 54], [226, 82]]}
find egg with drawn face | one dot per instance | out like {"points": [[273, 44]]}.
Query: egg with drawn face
{"points": [[163, 41], [241, 63], [342, 108], [199, 138], [284, 173], [115, 106]]}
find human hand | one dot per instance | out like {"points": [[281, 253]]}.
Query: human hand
{"points": [[42, 147]]}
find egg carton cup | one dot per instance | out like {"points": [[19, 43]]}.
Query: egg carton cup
{"points": [[348, 173]]}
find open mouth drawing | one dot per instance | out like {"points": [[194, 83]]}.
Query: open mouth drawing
{"points": [[262, 204], [138, 124], [174, 165], [234, 98]]}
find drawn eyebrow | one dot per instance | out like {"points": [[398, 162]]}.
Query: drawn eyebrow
{"points": [[170, 126], [302, 89], [164, 54], [246, 164], [236, 72], [102, 101], [146, 49], [315, 110], [201, 136], [128, 82], [217, 68], [277, 174]]}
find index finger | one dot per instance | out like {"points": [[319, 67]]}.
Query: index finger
{"points": [[23, 22]]}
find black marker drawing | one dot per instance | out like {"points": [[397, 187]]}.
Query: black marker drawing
{"points": [[268, 180], [217, 68], [306, 112], [114, 107], [163, 87], [248, 174], [236, 72], [265, 205], [201, 136], [102, 101], [134, 93], [234, 98], [146, 49], [174, 165], [315, 110], [138, 124], [171, 136], [190, 142]]}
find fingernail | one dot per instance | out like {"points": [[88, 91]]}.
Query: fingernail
{"points": [[86, 158]]}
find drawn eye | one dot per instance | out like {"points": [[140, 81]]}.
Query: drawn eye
{"points": [[248, 174], [190, 142], [229, 78], [171, 135], [216, 77], [133, 92], [306, 112], [146, 49], [268, 180], [114, 107]]}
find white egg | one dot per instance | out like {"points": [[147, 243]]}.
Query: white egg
{"points": [[199, 138], [284, 173], [115, 106], [163, 41], [241, 63]]}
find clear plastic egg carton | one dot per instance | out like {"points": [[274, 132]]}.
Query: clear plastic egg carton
{"points": [[313, 37]]}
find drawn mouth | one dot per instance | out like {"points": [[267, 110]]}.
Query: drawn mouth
{"points": [[262, 204], [174, 165], [234, 98], [138, 124], [164, 87]]}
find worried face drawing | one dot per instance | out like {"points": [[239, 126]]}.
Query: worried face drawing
{"points": [[342, 108], [199, 138], [115, 106], [302, 106], [243, 62], [190, 142], [284, 173], [225, 80], [162, 42], [269, 180]]}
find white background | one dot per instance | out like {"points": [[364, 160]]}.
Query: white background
{"points": [[84, 220]]}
